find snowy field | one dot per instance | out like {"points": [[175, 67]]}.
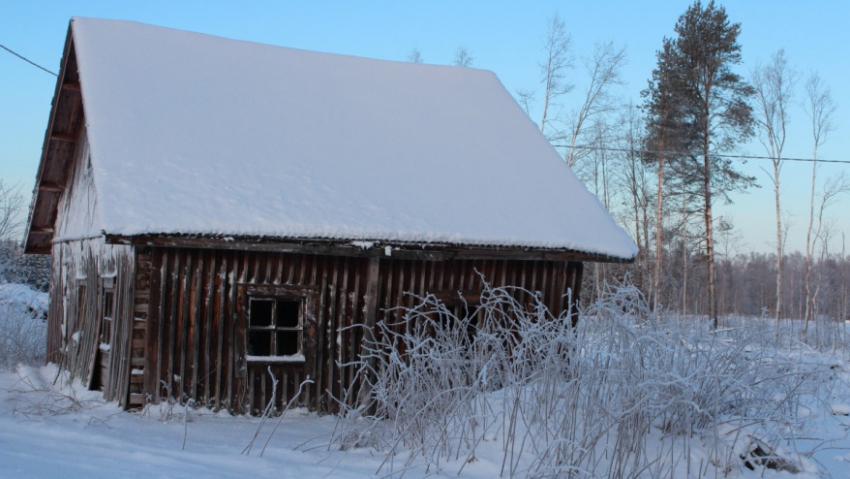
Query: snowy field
{"points": [[624, 418]]}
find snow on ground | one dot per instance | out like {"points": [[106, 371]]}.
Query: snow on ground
{"points": [[61, 430], [52, 427]]}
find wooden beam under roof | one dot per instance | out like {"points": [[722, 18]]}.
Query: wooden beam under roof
{"points": [[420, 251]]}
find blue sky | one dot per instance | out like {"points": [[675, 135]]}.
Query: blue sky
{"points": [[502, 36]]}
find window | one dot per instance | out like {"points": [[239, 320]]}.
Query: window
{"points": [[106, 324], [275, 327]]}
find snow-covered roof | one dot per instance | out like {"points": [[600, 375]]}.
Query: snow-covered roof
{"points": [[196, 134]]}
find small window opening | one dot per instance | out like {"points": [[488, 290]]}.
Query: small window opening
{"points": [[108, 313], [275, 327]]}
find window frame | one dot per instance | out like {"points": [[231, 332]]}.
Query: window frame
{"points": [[305, 295], [274, 327], [107, 305]]}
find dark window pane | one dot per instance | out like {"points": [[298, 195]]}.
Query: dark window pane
{"points": [[259, 343], [288, 343], [107, 303], [288, 313], [261, 312]]}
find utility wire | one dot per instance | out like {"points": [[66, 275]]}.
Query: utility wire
{"points": [[675, 153], [4, 47]]}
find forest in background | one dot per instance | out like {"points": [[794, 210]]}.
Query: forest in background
{"points": [[660, 163]]}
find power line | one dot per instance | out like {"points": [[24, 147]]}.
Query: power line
{"points": [[4, 47], [675, 153]]}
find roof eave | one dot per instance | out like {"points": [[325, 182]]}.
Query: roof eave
{"points": [[363, 248]]}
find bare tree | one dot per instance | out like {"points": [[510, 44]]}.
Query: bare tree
{"points": [[463, 58], [11, 205], [603, 68], [834, 187], [635, 181], [819, 107], [415, 56], [525, 98], [774, 90], [557, 61]]}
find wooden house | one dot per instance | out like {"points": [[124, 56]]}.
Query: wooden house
{"points": [[218, 208]]}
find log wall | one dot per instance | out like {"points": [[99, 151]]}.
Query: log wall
{"points": [[195, 327]]}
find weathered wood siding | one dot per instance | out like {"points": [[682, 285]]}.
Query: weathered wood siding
{"points": [[195, 346], [82, 272]]}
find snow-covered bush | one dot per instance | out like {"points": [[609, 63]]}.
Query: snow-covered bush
{"points": [[560, 401], [17, 267], [22, 325]]}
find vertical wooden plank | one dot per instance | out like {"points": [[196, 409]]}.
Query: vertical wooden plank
{"points": [[319, 339], [174, 299], [503, 272], [278, 277], [386, 280], [222, 326], [302, 273], [184, 323], [401, 266], [196, 323], [462, 274], [451, 268], [339, 338], [237, 269], [292, 262], [252, 391], [208, 328], [441, 272], [370, 300], [578, 268], [423, 277], [543, 285], [358, 267], [153, 355], [560, 288], [330, 329]]}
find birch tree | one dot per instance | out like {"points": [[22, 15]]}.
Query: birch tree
{"points": [[603, 70], [820, 108], [558, 60], [635, 181], [774, 91]]}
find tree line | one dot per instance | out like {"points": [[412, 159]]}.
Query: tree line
{"points": [[661, 163]]}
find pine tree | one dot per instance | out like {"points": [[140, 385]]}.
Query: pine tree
{"points": [[709, 107]]}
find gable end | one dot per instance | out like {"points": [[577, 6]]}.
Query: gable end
{"points": [[60, 143]]}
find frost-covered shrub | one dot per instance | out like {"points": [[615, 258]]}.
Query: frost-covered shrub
{"points": [[22, 325], [19, 268], [569, 402]]}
